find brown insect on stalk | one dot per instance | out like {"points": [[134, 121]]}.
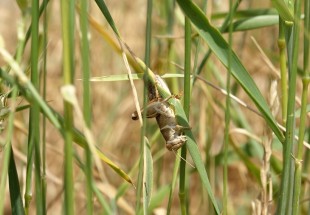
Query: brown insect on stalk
{"points": [[165, 116]]}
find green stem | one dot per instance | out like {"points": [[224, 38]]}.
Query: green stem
{"points": [[34, 119], [145, 93], [45, 39], [227, 114], [67, 15], [187, 95], [172, 185], [285, 203], [303, 112], [283, 69], [86, 101], [300, 146], [224, 26], [34, 109]]}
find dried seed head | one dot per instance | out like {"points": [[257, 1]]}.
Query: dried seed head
{"points": [[274, 98]]}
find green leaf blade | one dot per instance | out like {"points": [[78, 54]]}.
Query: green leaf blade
{"points": [[194, 152], [221, 49], [283, 10], [147, 176]]}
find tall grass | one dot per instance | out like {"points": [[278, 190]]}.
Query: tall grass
{"points": [[247, 159]]}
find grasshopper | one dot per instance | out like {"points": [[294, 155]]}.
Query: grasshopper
{"points": [[165, 116]]}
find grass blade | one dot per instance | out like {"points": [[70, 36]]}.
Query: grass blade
{"points": [[31, 95], [221, 49], [283, 10], [190, 143], [183, 193], [255, 22], [87, 110], [9, 167], [173, 182], [67, 18], [181, 117], [105, 11], [285, 197], [147, 176], [34, 116], [15, 194]]}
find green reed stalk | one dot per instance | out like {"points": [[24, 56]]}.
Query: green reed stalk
{"points": [[283, 68], [224, 26], [183, 194], [147, 54], [45, 39], [227, 113], [86, 102], [303, 113], [34, 118], [67, 17], [292, 34]]}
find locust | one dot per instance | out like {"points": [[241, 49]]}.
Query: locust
{"points": [[161, 109]]}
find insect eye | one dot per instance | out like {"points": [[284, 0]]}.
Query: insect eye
{"points": [[134, 116]]}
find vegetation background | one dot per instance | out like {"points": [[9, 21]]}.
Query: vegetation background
{"points": [[242, 156]]}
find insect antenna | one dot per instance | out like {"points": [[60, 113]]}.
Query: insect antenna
{"points": [[177, 155]]}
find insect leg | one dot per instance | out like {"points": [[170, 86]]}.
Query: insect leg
{"points": [[151, 110], [182, 128]]}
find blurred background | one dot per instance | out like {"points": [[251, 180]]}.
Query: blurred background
{"points": [[118, 136]]}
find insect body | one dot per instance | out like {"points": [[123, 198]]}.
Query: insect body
{"points": [[165, 117]]}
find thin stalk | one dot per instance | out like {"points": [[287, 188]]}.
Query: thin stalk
{"points": [[283, 69], [227, 115], [18, 56], [187, 94], [303, 115], [172, 185], [198, 46], [307, 39], [306, 169], [224, 26], [21, 46], [43, 180], [285, 204], [170, 6], [96, 191], [6, 153], [170, 20], [86, 101], [148, 34], [67, 16], [34, 117], [35, 109], [298, 158]]}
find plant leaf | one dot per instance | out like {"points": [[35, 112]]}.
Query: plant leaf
{"points": [[190, 143], [147, 176], [31, 95], [255, 22], [283, 10], [15, 194], [221, 49], [105, 11]]}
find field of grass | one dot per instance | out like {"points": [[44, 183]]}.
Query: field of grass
{"points": [[73, 72]]}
